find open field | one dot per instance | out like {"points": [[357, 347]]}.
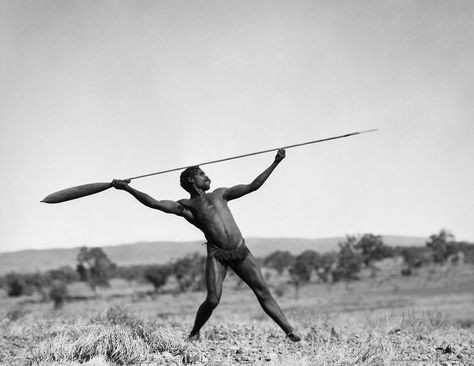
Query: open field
{"points": [[423, 320]]}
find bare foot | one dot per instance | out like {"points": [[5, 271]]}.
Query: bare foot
{"points": [[293, 336], [194, 337]]}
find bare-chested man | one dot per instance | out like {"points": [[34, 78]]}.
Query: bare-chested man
{"points": [[225, 245]]}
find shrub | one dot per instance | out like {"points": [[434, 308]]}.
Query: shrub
{"points": [[16, 313], [131, 273], [190, 272], [349, 261], [94, 267], [157, 275], [58, 294], [281, 289], [15, 284], [64, 274], [416, 257], [278, 260], [302, 268], [372, 248], [442, 246]]}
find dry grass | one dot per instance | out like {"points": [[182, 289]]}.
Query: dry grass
{"points": [[400, 323], [115, 336]]}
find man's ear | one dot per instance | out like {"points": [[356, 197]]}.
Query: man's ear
{"points": [[191, 180]]}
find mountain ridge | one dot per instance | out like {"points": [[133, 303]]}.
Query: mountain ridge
{"points": [[148, 252]]}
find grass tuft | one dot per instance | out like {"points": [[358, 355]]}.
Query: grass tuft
{"points": [[116, 335], [15, 314], [424, 321]]}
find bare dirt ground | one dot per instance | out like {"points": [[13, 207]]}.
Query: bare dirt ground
{"points": [[422, 320]]}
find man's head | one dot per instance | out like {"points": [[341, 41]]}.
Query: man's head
{"points": [[194, 176]]}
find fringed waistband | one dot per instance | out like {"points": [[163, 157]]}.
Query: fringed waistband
{"points": [[230, 257]]}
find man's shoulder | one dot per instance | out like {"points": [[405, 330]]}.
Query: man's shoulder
{"points": [[219, 192], [184, 201]]}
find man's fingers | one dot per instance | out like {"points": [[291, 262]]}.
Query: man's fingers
{"points": [[120, 183]]}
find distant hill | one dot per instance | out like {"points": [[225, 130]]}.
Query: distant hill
{"points": [[164, 251]]}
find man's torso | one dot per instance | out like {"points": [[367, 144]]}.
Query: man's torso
{"points": [[212, 216]]}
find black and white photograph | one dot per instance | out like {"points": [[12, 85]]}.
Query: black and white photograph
{"points": [[230, 182]]}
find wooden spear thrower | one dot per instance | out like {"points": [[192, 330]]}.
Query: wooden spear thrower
{"points": [[92, 188]]}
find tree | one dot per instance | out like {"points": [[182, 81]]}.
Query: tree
{"points": [[467, 250], [301, 269], [280, 289], [189, 272], [327, 265], [441, 245], [372, 248], [15, 284], [157, 275], [36, 282], [19, 284], [94, 267], [278, 260], [58, 293], [349, 261]]}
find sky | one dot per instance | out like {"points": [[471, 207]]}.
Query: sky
{"points": [[96, 90]]}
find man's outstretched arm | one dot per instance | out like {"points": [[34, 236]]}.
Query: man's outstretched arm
{"points": [[167, 206], [243, 189]]}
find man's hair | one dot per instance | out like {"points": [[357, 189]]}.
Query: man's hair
{"points": [[186, 174]]}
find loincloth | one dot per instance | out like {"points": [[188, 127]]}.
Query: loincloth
{"points": [[229, 257]]}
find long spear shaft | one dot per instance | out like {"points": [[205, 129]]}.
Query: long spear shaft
{"points": [[256, 153], [92, 188]]}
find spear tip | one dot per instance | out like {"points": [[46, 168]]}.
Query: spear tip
{"points": [[371, 130]]}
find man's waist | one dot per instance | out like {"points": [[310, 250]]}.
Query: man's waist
{"points": [[226, 246]]}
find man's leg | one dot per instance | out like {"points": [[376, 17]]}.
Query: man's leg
{"points": [[249, 271], [215, 274]]}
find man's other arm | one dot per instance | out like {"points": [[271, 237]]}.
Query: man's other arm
{"points": [[243, 189], [167, 206]]}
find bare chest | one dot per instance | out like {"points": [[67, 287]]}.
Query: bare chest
{"points": [[208, 206]]}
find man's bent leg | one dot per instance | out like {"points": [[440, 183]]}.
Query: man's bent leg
{"points": [[215, 274], [250, 273]]}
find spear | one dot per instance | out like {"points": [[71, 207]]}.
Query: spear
{"points": [[92, 188]]}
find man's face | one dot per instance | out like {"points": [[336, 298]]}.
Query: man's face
{"points": [[201, 180]]}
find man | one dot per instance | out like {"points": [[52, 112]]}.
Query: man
{"points": [[225, 245]]}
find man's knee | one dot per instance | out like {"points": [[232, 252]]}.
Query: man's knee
{"points": [[263, 293], [212, 301]]}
